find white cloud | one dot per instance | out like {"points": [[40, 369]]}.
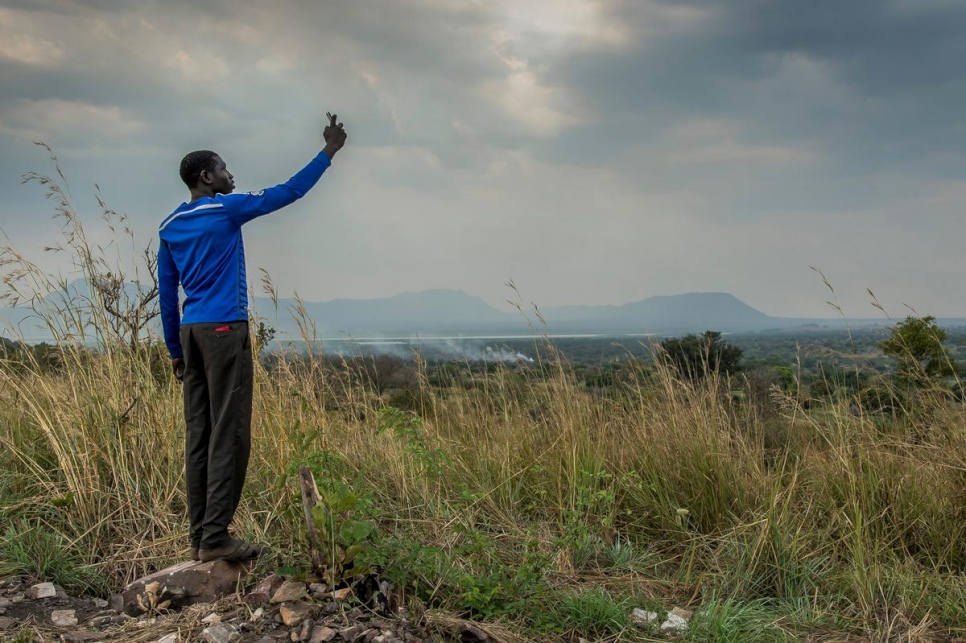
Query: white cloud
{"points": [[276, 63], [20, 42], [42, 119], [200, 65], [557, 22], [30, 49], [713, 141], [536, 108]]}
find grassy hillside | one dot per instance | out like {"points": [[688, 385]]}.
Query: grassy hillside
{"points": [[517, 495]]}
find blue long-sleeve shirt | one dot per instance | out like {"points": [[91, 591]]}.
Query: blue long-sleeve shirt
{"points": [[202, 250]]}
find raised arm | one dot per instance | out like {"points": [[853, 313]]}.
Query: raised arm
{"points": [[242, 208]]}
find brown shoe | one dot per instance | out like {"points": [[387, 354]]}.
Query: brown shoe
{"points": [[232, 551]]}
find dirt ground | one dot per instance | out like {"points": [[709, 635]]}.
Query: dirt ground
{"points": [[28, 614]]}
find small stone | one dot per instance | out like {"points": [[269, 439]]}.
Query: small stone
{"points": [[42, 590], [342, 594], [289, 591], [350, 633], [100, 621], [64, 618], [257, 614], [642, 617], [264, 591], [294, 613], [212, 619], [471, 633], [306, 630], [100, 603], [6, 622], [169, 638], [683, 613], [674, 624], [318, 589], [5, 602], [322, 634], [220, 633]]}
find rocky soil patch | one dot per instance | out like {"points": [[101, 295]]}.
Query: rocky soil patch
{"points": [[272, 611]]}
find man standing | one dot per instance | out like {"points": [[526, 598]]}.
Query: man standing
{"points": [[201, 250]]}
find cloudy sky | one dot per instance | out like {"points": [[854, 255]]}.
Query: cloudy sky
{"points": [[593, 151]]}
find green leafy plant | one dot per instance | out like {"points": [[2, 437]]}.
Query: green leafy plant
{"points": [[490, 581], [344, 535], [342, 525], [695, 357], [917, 344], [479, 576], [431, 460]]}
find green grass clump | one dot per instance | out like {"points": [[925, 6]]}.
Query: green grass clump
{"points": [[592, 613], [33, 550], [731, 621]]}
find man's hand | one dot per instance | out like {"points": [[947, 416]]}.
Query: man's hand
{"points": [[334, 135], [177, 366]]}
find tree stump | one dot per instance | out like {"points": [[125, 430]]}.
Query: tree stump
{"points": [[310, 498]]}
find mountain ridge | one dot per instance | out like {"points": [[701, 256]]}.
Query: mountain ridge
{"points": [[452, 310], [455, 312]]}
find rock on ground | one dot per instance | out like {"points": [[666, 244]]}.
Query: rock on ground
{"points": [[179, 586]]}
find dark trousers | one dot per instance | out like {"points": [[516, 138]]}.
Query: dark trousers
{"points": [[218, 414]]}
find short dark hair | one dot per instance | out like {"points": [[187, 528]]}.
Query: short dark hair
{"points": [[194, 163]]}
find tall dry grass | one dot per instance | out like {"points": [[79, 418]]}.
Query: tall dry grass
{"points": [[812, 523]]}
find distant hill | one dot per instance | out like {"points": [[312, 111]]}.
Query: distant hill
{"points": [[454, 312], [691, 311], [426, 311]]}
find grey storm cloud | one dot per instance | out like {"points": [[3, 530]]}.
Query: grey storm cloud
{"points": [[874, 80], [319, 47], [601, 150]]}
